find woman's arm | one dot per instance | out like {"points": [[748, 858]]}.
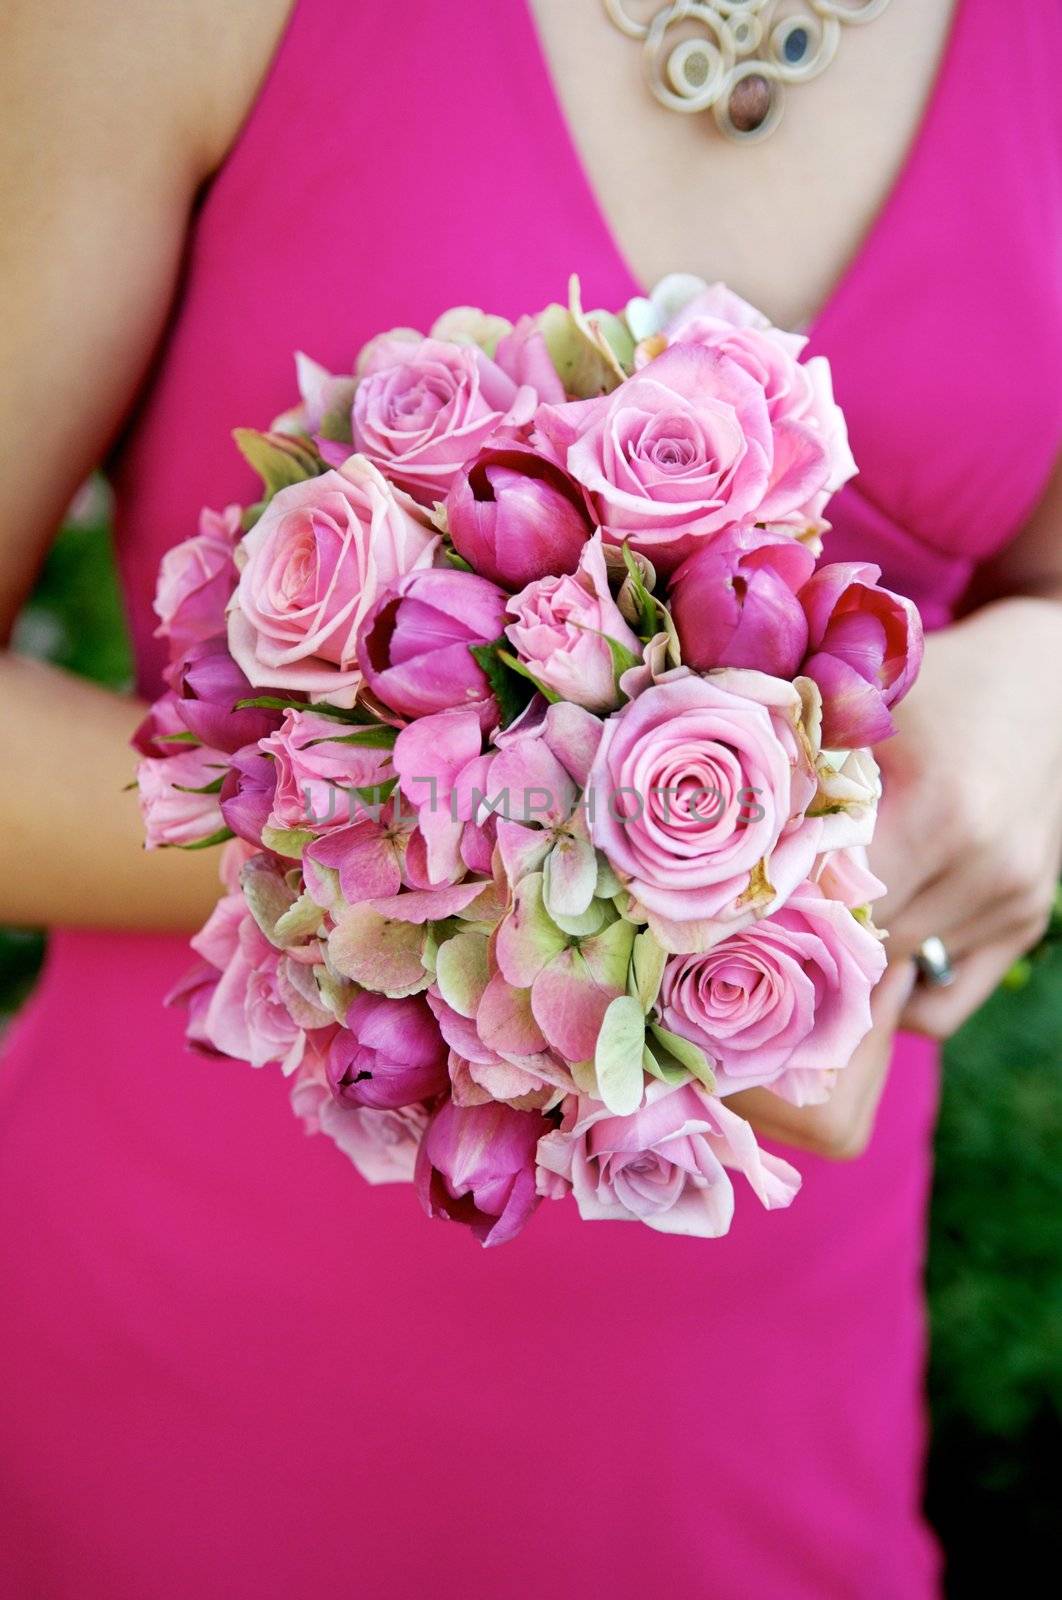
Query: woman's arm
{"points": [[114, 114]]}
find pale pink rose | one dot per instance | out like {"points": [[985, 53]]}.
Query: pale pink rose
{"points": [[421, 409], [562, 630], [318, 771], [179, 795], [665, 1165], [314, 563], [845, 875], [196, 579], [797, 392], [784, 1002], [247, 1016], [684, 448], [382, 1144], [698, 796]]}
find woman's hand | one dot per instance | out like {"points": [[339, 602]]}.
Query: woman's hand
{"points": [[969, 832], [840, 1128]]}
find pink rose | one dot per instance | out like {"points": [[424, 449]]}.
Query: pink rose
{"points": [[864, 651], [797, 392], [247, 1016], [563, 629], [381, 1144], [422, 408], [319, 768], [196, 579], [179, 796], [476, 1165], [784, 1002], [697, 797], [664, 1165], [684, 448], [314, 563]]}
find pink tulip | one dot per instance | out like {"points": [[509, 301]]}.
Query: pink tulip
{"points": [[515, 516], [735, 603], [476, 1165], [391, 1054], [865, 649], [415, 647]]}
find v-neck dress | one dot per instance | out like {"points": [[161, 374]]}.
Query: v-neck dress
{"points": [[232, 1370]]}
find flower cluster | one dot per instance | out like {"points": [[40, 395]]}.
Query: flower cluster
{"points": [[537, 737]]}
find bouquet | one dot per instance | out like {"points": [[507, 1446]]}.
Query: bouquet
{"points": [[536, 738]]}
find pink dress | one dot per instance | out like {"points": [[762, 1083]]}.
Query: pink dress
{"points": [[232, 1371]]}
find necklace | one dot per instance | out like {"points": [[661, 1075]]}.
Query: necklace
{"points": [[736, 57]]}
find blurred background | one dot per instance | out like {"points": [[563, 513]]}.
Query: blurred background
{"points": [[995, 1257]]}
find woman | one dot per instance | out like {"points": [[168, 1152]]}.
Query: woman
{"points": [[233, 1369]]}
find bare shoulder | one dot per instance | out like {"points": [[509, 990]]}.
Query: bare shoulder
{"points": [[176, 76], [113, 113]]}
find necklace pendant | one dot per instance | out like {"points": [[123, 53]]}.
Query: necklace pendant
{"points": [[736, 58]]}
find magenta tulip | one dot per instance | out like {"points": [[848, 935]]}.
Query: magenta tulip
{"points": [[391, 1054], [515, 516], [735, 602], [415, 647], [209, 686], [864, 651], [476, 1165], [248, 792]]}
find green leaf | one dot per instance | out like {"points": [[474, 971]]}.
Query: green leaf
{"points": [[505, 678], [688, 1054], [377, 737], [276, 702], [213, 787], [222, 835], [618, 1056], [177, 738], [517, 666]]}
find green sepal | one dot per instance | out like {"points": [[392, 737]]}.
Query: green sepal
{"points": [[686, 1053], [280, 459]]}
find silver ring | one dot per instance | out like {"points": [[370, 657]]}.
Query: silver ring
{"points": [[934, 964]]}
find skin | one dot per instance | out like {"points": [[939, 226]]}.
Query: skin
{"points": [[97, 180]]}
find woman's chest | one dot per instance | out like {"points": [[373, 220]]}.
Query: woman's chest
{"points": [[779, 219]]}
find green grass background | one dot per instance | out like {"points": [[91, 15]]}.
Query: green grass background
{"points": [[995, 1255]]}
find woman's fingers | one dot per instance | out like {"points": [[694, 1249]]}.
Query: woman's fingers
{"points": [[841, 1127], [940, 1012]]}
